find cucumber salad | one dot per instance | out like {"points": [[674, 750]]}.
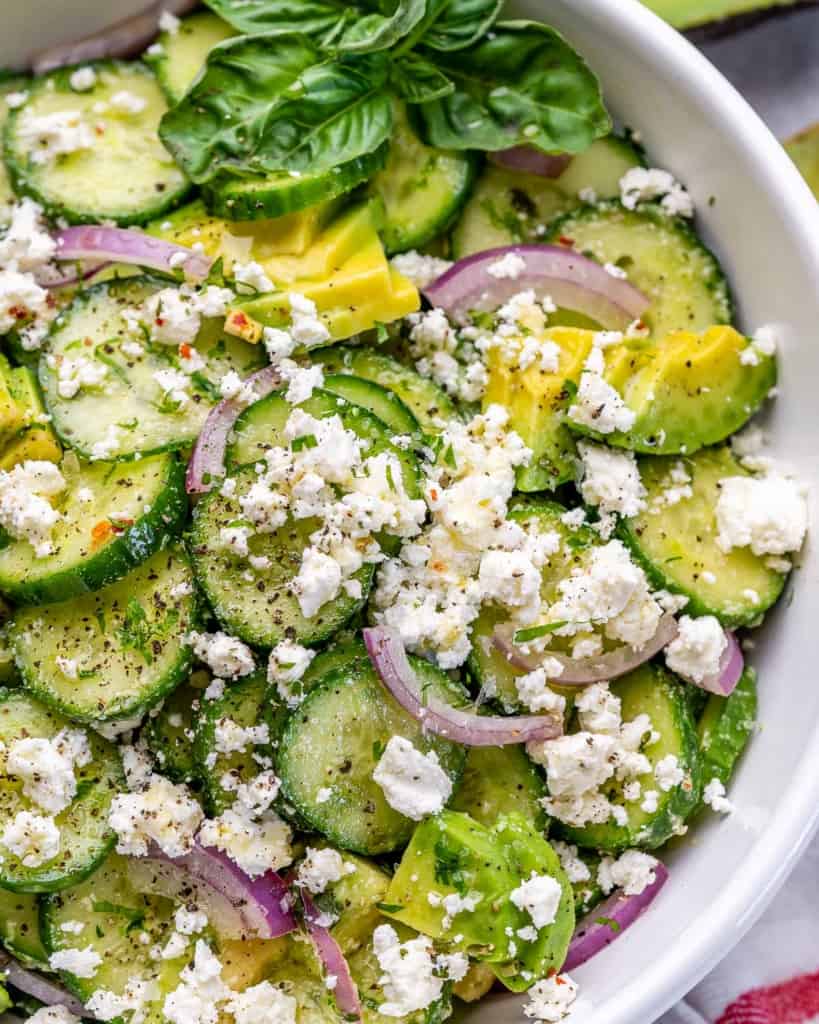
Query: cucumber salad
{"points": [[383, 529]]}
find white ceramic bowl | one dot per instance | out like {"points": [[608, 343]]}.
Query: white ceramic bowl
{"points": [[764, 224]]}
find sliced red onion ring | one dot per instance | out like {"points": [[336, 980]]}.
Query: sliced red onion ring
{"points": [[207, 464], [531, 161], [56, 279], [334, 961], [43, 989], [569, 279], [124, 39], [731, 666], [601, 926], [239, 907], [583, 671], [390, 660], [96, 242]]}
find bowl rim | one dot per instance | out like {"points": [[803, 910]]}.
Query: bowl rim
{"points": [[796, 819]]}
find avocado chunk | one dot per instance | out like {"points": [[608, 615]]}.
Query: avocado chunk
{"points": [[497, 781], [687, 390], [803, 149], [686, 14], [35, 439], [452, 855]]}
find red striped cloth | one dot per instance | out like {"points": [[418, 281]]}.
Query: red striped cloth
{"points": [[790, 1002]]}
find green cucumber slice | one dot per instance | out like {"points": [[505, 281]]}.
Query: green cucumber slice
{"points": [[261, 610], [20, 927], [423, 189], [497, 781], [663, 257], [334, 740], [428, 403], [652, 691], [244, 702], [725, 727], [509, 207], [183, 53], [8, 85], [115, 653], [677, 544], [129, 405], [283, 192], [125, 174], [378, 400], [169, 733], [85, 838], [117, 918], [115, 516]]}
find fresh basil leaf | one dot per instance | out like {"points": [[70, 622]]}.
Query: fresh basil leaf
{"points": [[332, 24], [522, 85], [370, 32], [456, 24], [274, 103], [321, 20], [416, 80]]}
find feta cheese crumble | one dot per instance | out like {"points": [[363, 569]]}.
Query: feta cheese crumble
{"points": [[767, 514], [226, 656], [642, 184], [696, 651], [46, 767], [321, 868], [34, 838], [414, 784], [539, 896], [412, 975], [83, 963], [633, 871], [163, 813], [25, 511], [551, 999], [420, 268]]}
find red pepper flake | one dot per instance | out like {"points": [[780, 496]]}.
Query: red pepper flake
{"points": [[159, 321], [101, 532], [185, 350], [18, 312], [240, 319], [121, 524], [565, 240], [88, 342]]}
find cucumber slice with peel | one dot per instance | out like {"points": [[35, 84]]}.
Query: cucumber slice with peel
{"points": [[183, 52], [20, 927], [115, 653], [676, 543], [331, 744], [121, 171], [85, 837], [129, 406], [725, 728], [114, 517]]}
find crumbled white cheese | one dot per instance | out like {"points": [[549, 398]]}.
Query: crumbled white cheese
{"points": [[317, 581], [534, 692], [34, 838], [263, 1004], [539, 895], [232, 738], [321, 868], [633, 871], [420, 268], [287, 664], [48, 136], [83, 963], [197, 998], [252, 275], [611, 480], [696, 651], [453, 904], [413, 977], [668, 773], [20, 297], [174, 385], [714, 796], [163, 813], [510, 266], [226, 656], [168, 22], [27, 245], [599, 406], [57, 1014], [768, 514], [15, 99], [576, 869], [414, 784], [301, 380], [135, 997], [127, 102], [256, 846], [551, 999], [46, 767], [82, 79], [174, 315], [307, 328], [25, 511], [641, 184]]}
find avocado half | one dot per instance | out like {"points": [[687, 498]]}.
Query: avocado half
{"points": [[709, 18]]}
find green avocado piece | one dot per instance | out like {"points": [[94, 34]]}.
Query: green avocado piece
{"points": [[687, 390], [452, 854], [497, 781], [685, 14], [803, 149]]}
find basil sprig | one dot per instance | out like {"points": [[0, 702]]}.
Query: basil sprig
{"points": [[308, 85]]}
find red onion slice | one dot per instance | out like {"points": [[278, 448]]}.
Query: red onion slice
{"points": [[601, 926], [207, 463], [239, 907], [96, 242], [43, 989], [529, 160], [583, 671], [63, 280], [126, 38], [334, 961], [731, 666], [390, 661], [572, 281]]}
